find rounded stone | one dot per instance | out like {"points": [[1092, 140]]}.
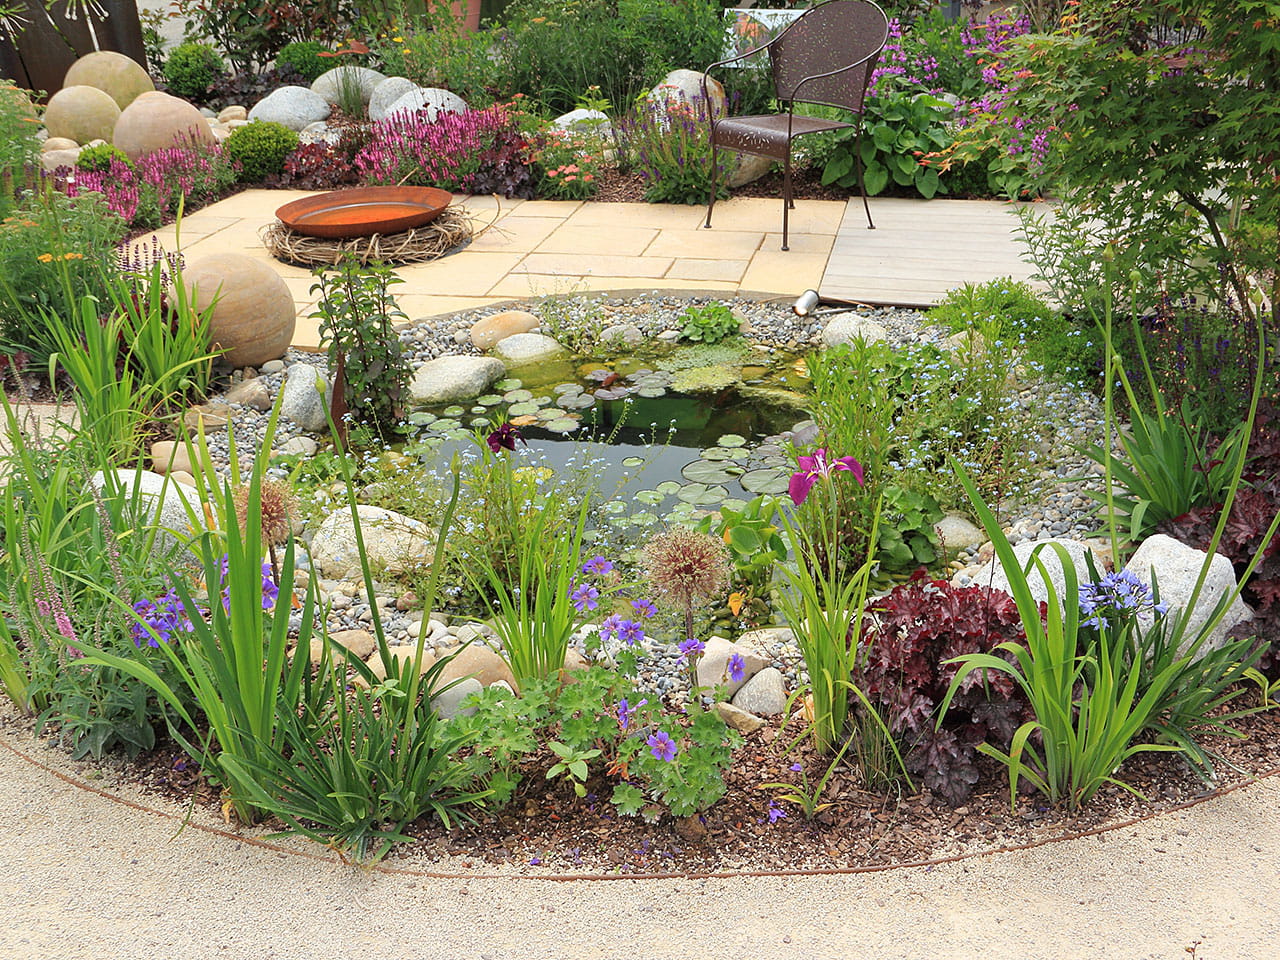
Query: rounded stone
{"points": [[331, 83], [156, 120], [386, 93], [294, 107], [492, 330], [254, 317], [58, 143], [121, 77], [433, 100], [81, 113]]}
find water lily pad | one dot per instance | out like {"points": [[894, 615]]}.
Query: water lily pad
{"points": [[650, 497], [517, 396], [478, 410], [633, 461], [614, 507], [526, 420], [612, 393], [544, 401], [446, 424], [701, 495], [669, 488], [489, 400], [720, 453], [579, 401], [454, 411], [732, 440], [643, 519], [510, 383], [522, 408], [733, 503], [770, 480], [459, 435], [568, 388], [651, 392], [479, 421], [420, 418], [704, 471], [563, 425]]}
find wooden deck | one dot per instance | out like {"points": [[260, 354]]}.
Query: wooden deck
{"points": [[920, 249]]}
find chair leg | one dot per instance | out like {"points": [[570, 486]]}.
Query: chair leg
{"points": [[786, 196], [712, 202], [857, 162]]}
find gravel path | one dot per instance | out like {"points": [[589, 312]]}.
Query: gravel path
{"points": [[86, 877]]}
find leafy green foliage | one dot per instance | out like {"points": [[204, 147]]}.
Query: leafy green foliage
{"points": [[19, 146], [596, 728], [260, 148], [669, 144], [709, 323], [899, 126], [99, 158], [1005, 309], [304, 57], [190, 68], [357, 314], [53, 251]]}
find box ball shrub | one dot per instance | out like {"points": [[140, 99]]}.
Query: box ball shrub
{"points": [[304, 57], [98, 159], [260, 148], [191, 68]]}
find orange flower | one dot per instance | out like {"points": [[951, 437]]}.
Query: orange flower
{"points": [[736, 600], [45, 258]]}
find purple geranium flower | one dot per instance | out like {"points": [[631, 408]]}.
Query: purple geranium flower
{"points": [[630, 632], [662, 746], [776, 813], [690, 648], [737, 668], [817, 467], [597, 565], [644, 608], [611, 625], [626, 711], [585, 597]]}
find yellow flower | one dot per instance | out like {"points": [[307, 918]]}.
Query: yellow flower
{"points": [[73, 256], [45, 258], [397, 39], [736, 600]]}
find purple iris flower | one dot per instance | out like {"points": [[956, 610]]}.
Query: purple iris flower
{"points": [[818, 467], [504, 438]]}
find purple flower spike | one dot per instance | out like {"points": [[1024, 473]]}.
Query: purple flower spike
{"points": [[662, 746], [818, 467]]}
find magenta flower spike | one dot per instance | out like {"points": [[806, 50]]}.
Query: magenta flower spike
{"points": [[817, 467]]}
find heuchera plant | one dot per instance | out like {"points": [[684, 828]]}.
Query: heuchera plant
{"points": [[1251, 514], [914, 632]]}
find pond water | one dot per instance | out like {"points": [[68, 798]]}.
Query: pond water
{"points": [[689, 429]]}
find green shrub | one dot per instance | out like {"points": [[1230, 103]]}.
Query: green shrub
{"points": [[710, 323], [260, 148], [1004, 309], [304, 56], [98, 159], [190, 69]]}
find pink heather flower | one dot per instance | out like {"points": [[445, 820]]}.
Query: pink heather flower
{"points": [[819, 467]]}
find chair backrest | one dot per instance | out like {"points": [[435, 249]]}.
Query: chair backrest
{"points": [[832, 35]]}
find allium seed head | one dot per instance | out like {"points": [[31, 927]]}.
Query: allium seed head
{"points": [[687, 566], [277, 510]]}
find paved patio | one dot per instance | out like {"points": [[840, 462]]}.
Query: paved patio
{"points": [[534, 248]]}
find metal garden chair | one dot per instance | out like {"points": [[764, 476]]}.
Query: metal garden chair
{"points": [[824, 57]]}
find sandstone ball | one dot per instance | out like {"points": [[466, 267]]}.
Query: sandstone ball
{"points": [[155, 121], [114, 73], [254, 318], [81, 113]]}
